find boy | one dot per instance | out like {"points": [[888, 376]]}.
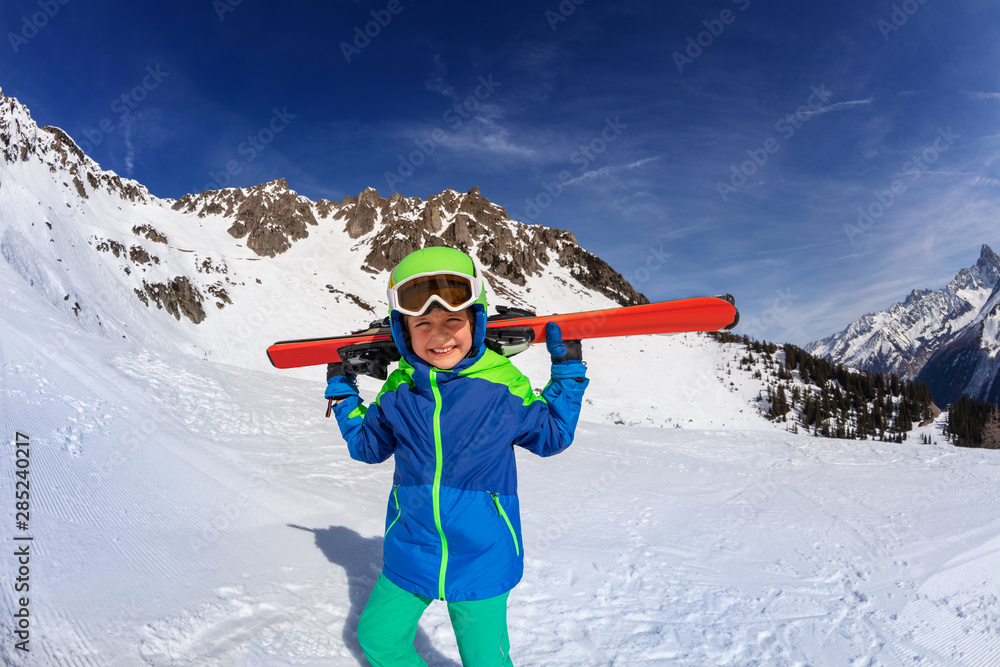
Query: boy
{"points": [[450, 415]]}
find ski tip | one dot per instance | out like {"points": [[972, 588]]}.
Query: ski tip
{"points": [[726, 297], [736, 320]]}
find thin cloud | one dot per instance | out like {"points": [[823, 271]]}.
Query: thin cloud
{"points": [[773, 251], [129, 146], [984, 96], [474, 124], [607, 171], [984, 180], [437, 81], [857, 254], [484, 134], [841, 106]]}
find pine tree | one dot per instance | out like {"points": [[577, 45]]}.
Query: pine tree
{"points": [[991, 431], [967, 419], [779, 403]]}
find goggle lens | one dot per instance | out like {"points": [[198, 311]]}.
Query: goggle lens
{"points": [[455, 291]]}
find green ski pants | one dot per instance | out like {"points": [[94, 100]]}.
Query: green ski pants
{"points": [[388, 626]]}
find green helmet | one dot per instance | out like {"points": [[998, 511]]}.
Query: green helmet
{"points": [[436, 276], [439, 274]]}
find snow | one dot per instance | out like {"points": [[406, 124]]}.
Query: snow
{"points": [[191, 505], [189, 512]]}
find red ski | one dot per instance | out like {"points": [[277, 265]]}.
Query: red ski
{"points": [[514, 330]]}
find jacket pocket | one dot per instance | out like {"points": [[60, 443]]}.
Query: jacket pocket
{"points": [[399, 510], [503, 515]]}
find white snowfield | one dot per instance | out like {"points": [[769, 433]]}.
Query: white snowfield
{"points": [[189, 513], [186, 512], [187, 504]]}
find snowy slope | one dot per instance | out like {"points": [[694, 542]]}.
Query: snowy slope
{"points": [[187, 512], [190, 505]]}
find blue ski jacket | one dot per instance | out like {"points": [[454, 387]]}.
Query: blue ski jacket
{"points": [[452, 526]]}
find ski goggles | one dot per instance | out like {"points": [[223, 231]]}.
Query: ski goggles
{"points": [[452, 291]]}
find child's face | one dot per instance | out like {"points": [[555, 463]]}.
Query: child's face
{"points": [[441, 338]]}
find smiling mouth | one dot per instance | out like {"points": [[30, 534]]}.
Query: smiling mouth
{"points": [[442, 350]]}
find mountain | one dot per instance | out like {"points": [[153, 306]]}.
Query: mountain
{"points": [[257, 262], [954, 322], [97, 262], [222, 273], [969, 363], [272, 218]]}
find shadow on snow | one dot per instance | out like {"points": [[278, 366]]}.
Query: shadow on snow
{"points": [[361, 558]]}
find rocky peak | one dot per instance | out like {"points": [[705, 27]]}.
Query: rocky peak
{"points": [[270, 216], [985, 273], [507, 249], [988, 265], [18, 132], [364, 211], [478, 207]]}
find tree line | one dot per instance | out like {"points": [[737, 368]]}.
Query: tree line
{"points": [[973, 423], [829, 399]]}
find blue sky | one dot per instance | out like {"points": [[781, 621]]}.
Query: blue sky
{"points": [[816, 160]]}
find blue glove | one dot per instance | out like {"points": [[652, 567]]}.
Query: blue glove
{"points": [[560, 350], [340, 384]]}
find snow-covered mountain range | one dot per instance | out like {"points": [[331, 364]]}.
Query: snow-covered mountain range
{"points": [[222, 260], [946, 337]]}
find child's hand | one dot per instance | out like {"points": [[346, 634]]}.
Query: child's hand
{"points": [[560, 350], [338, 383]]}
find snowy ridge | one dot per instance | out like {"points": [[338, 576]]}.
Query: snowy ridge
{"points": [[190, 505], [22, 140]]}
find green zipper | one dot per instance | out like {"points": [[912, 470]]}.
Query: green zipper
{"points": [[436, 489], [399, 510], [510, 527]]}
